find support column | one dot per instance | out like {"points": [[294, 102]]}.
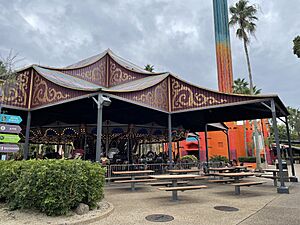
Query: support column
{"points": [[228, 145], [293, 178], [170, 139], [99, 131], [282, 188], [206, 147], [107, 142], [199, 150], [27, 132]]}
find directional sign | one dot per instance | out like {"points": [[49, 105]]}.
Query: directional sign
{"points": [[7, 148], [9, 138], [11, 129], [4, 118]]}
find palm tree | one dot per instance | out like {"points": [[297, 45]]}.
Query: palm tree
{"points": [[240, 86], [243, 16], [149, 68], [296, 47]]}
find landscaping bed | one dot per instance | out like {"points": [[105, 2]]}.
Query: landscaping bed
{"points": [[53, 187], [34, 217]]}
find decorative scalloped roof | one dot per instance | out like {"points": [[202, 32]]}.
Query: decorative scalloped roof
{"points": [[66, 80], [196, 97]]}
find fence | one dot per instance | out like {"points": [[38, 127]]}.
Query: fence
{"points": [[158, 168]]}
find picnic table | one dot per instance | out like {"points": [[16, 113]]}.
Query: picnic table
{"points": [[274, 176], [180, 171], [133, 174], [237, 176], [175, 178], [223, 169]]}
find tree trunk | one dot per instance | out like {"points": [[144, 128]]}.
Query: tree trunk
{"points": [[249, 68], [257, 150]]}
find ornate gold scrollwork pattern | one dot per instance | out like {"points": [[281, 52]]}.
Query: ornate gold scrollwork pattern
{"points": [[157, 98], [42, 93], [183, 97], [96, 74], [15, 92], [117, 76]]}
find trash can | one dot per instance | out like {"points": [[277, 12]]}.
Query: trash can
{"points": [[284, 167]]}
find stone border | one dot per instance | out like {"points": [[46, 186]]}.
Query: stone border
{"points": [[101, 215], [90, 217]]}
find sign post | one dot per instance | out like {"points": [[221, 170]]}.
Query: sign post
{"points": [[9, 138], [4, 118], [9, 134], [9, 148], [11, 129]]}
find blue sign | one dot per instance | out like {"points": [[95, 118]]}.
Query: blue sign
{"points": [[4, 118]]}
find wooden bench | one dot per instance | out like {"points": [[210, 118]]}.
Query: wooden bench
{"points": [[248, 184], [116, 178], [222, 181], [124, 178], [270, 176], [180, 188], [166, 183], [274, 178], [133, 182], [201, 177], [212, 174]]}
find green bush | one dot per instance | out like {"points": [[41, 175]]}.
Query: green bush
{"points": [[219, 158], [51, 186], [250, 159], [189, 158]]}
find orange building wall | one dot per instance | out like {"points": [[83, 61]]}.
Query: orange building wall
{"points": [[217, 142]]}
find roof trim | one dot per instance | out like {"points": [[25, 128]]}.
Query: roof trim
{"points": [[129, 65], [219, 92], [148, 82], [111, 95], [66, 81]]}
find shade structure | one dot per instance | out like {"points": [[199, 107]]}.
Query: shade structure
{"points": [[40, 87]]}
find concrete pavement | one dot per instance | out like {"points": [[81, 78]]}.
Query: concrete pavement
{"points": [[256, 204]]}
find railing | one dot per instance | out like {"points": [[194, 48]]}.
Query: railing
{"points": [[158, 168]]}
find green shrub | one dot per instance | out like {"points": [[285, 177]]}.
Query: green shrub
{"points": [[250, 159], [219, 158], [51, 186], [189, 158]]}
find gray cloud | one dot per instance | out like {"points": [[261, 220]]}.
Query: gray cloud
{"points": [[174, 36]]}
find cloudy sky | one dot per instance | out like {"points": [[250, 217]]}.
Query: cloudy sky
{"points": [[173, 35]]}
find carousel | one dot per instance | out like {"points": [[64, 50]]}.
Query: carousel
{"points": [[107, 106]]}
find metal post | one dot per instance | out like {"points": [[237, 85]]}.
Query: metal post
{"points": [[293, 178], [206, 147], [199, 153], [228, 145], [282, 188], [99, 130], [27, 132], [128, 149], [1, 95], [107, 142], [170, 139]]}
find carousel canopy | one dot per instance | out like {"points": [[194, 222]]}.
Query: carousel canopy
{"points": [[138, 96]]}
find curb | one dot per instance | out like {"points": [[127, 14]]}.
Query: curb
{"points": [[93, 219]]}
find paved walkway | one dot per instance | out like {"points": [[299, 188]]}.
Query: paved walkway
{"points": [[256, 204]]}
